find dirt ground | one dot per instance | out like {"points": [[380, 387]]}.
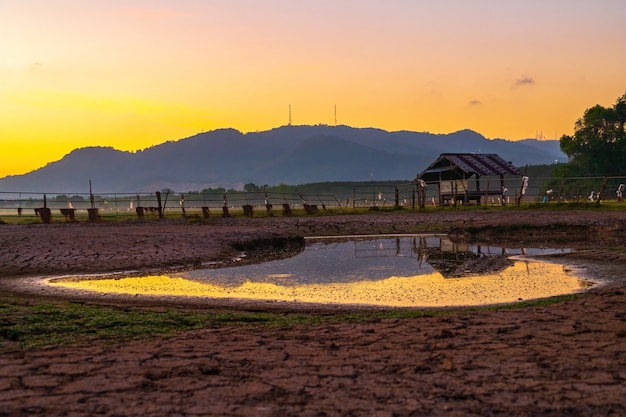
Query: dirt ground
{"points": [[568, 358]]}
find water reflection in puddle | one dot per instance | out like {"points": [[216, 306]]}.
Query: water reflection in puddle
{"points": [[407, 271]]}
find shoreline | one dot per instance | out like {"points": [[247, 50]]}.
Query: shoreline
{"points": [[102, 250]]}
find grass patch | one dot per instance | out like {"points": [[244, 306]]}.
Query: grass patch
{"points": [[35, 325], [194, 215]]}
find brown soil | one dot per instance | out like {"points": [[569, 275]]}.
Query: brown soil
{"points": [[565, 359]]}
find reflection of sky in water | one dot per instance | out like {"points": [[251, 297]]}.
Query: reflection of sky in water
{"points": [[323, 262], [326, 261], [384, 272]]}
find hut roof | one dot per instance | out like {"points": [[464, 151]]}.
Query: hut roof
{"points": [[450, 166]]}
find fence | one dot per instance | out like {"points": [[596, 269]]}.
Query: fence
{"points": [[378, 196], [141, 204], [576, 189], [372, 196]]}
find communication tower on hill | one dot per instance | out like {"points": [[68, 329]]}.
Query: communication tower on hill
{"points": [[289, 115]]}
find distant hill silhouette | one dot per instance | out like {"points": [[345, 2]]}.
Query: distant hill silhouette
{"points": [[285, 155]]}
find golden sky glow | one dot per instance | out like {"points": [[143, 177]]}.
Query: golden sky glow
{"points": [[132, 74]]}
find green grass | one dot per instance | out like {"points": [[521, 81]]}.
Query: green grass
{"points": [[46, 324], [34, 325], [195, 216]]}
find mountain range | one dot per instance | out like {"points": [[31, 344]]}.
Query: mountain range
{"points": [[285, 155]]}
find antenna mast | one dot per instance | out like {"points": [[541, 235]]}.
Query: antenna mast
{"points": [[335, 115], [290, 115]]}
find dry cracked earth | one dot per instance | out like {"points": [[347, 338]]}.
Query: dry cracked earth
{"points": [[563, 359]]}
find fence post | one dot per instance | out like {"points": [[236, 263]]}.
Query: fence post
{"points": [[558, 197], [160, 207], [225, 212], [602, 187], [44, 213]]}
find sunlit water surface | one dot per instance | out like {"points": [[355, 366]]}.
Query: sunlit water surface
{"points": [[403, 271]]}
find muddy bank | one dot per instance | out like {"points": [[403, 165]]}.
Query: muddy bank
{"points": [[137, 248], [77, 248]]}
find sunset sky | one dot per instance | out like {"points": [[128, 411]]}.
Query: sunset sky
{"points": [[132, 74]]}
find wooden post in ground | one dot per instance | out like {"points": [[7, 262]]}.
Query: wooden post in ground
{"points": [[248, 210], [225, 212], [91, 198], [522, 190], [558, 197], [160, 206], [44, 212], [602, 187], [92, 213]]}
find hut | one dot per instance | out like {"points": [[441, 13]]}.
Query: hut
{"points": [[469, 177]]}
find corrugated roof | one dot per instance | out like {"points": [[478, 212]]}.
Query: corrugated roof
{"points": [[458, 165]]}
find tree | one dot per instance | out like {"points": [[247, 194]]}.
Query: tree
{"points": [[598, 146], [251, 188]]}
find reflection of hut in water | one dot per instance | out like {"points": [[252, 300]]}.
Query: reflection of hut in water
{"points": [[452, 259], [452, 172]]}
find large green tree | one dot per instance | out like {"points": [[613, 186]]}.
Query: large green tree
{"points": [[598, 146]]}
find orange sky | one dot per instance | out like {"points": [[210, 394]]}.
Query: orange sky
{"points": [[132, 74]]}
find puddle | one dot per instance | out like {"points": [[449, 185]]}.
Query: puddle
{"points": [[401, 271]]}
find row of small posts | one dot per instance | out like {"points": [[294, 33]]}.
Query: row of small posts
{"points": [[45, 214], [248, 209]]}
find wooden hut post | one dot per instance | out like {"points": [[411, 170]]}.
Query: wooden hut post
{"points": [[463, 179], [439, 190], [454, 190], [503, 188], [477, 182]]}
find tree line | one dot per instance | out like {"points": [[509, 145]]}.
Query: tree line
{"points": [[598, 145]]}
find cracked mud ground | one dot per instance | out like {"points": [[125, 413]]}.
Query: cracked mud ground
{"points": [[568, 358]]}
